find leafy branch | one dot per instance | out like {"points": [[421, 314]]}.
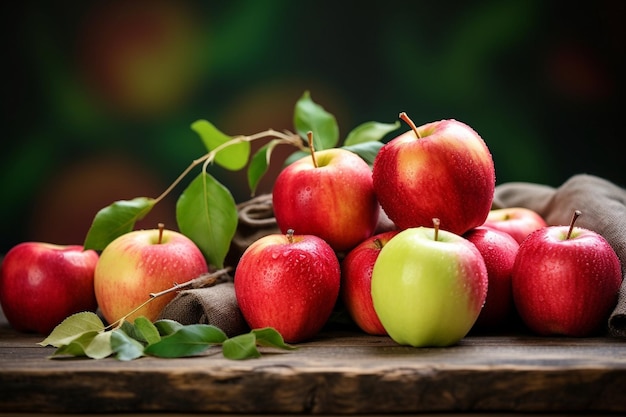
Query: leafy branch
{"points": [[206, 211]]}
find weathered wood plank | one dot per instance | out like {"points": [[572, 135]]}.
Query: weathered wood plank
{"points": [[336, 373]]}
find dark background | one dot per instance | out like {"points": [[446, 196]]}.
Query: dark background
{"points": [[99, 96]]}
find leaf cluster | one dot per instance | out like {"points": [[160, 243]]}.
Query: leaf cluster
{"points": [[84, 335]]}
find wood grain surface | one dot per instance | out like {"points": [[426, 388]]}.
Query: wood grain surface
{"points": [[339, 372]]}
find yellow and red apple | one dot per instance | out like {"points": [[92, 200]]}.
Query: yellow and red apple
{"points": [[142, 262]]}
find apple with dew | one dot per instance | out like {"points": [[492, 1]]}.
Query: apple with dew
{"points": [[356, 282], [142, 262], [441, 169], [289, 282], [428, 286], [43, 283], [519, 222], [565, 280], [499, 250], [328, 194]]}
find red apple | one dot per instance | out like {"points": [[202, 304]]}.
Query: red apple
{"points": [[565, 281], [519, 222], [43, 283], [499, 250], [441, 169], [356, 282], [330, 195], [288, 282], [142, 262]]}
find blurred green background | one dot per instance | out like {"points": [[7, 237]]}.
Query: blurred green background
{"points": [[99, 96]]}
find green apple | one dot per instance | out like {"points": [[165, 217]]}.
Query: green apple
{"points": [[428, 286]]}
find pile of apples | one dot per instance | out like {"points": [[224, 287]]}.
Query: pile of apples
{"points": [[410, 245], [447, 264]]}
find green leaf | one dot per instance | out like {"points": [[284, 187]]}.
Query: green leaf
{"points": [[268, 336], [115, 220], [309, 116], [166, 326], [73, 327], [234, 156], [130, 330], [125, 347], [187, 341], [260, 163], [370, 131], [366, 150], [206, 212], [146, 331], [100, 346], [242, 346], [77, 346]]}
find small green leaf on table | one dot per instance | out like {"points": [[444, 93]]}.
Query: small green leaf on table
{"points": [[124, 346], [72, 327], [187, 341]]}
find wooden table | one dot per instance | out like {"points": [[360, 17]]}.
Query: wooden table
{"points": [[339, 372]]}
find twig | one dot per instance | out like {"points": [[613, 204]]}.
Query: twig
{"points": [[204, 280]]}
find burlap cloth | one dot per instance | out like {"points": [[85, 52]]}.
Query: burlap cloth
{"points": [[602, 203]]}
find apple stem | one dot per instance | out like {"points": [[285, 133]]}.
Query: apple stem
{"points": [[436, 223], [408, 121], [378, 244], [312, 147], [161, 227], [290, 233], [575, 216]]}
